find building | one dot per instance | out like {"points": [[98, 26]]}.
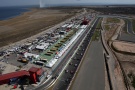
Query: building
{"points": [[42, 46], [5, 78], [26, 55], [34, 74]]}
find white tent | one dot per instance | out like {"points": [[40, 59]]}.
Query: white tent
{"points": [[51, 63], [42, 46], [30, 54]]}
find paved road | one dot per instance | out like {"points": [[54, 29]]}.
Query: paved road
{"points": [[129, 26], [64, 80], [91, 75], [127, 37], [55, 73], [129, 23]]}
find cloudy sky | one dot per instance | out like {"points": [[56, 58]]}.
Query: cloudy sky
{"points": [[36, 2]]}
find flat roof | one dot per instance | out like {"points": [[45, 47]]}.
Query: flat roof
{"points": [[14, 75], [26, 54], [42, 45], [33, 69]]}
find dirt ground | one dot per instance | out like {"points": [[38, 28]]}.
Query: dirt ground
{"points": [[31, 23], [109, 37], [112, 28], [124, 47], [128, 63], [127, 60]]}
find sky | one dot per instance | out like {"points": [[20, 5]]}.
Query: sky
{"points": [[55, 2], [18, 2]]}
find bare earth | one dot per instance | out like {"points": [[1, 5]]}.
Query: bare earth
{"points": [[124, 52], [124, 47], [31, 23], [110, 35]]}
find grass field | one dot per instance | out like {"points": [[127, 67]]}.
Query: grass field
{"points": [[125, 26], [113, 20], [97, 31], [96, 35], [99, 24], [107, 27]]}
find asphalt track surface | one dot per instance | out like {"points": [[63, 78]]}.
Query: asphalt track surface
{"points": [[63, 82], [91, 75], [129, 36], [129, 27], [63, 62], [59, 84]]}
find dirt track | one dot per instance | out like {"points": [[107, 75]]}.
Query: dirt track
{"points": [[31, 23]]}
